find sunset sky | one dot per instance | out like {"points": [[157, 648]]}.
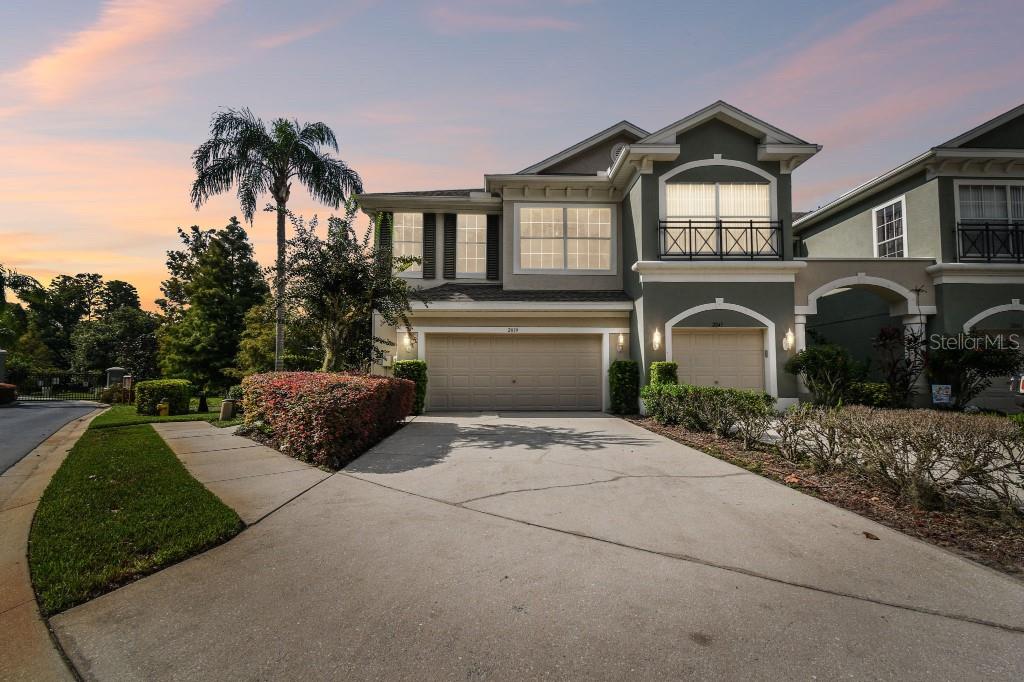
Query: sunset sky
{"points": [[101, 103]]}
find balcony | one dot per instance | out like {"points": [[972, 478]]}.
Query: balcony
{"points": [[993, 241], [709, 239]]}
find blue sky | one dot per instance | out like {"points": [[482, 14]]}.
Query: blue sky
{"points": [[102, 102]]}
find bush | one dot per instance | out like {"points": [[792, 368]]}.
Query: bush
{"points": [[815, 434], [624, 386], [176, 392], [8, 394], [1018, 419], [711, 409], [869, 393], [234, 393], [324, 418], [416, 371], [111, 395], [828, 372], [664, 373]]}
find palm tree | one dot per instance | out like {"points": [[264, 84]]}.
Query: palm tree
{"points": [[243, 152]]}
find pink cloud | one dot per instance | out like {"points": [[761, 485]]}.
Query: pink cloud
{"points": [[447, 19]]}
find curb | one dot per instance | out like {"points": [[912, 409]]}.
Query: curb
{"points": [[27, 651]]}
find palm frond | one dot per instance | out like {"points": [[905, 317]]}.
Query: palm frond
{"points": [[318, 135]]}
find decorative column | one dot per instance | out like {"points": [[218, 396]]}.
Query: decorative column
{"points": [[800, 332], [917, 324]]}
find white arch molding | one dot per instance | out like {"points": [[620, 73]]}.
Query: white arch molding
{"points": [[718, 161], [908, 306], [771, 378], [1014, 304]]}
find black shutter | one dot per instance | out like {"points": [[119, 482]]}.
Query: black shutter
{"points": [[429, 245], [493, 246], [449, 246], [385, 237]]}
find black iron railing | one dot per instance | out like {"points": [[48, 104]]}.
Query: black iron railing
{"points": [[42, 386], [991, 241], [720, 239]]}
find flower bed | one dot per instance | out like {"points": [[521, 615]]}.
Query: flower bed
{"points": [[324, 418]]}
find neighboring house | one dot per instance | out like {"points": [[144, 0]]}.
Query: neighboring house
{"points": [[677, 244]]}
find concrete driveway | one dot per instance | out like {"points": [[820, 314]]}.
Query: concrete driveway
{"points": [[560, 546]]}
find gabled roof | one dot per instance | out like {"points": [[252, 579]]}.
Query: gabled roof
{"points": [[427, 193], [991, 124], [611, 131], [469, 293], [724, 111]]}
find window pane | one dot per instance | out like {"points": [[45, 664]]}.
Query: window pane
{"points": [[408, 237], [1017, 202], [982, 202], [690, 200], [589, 222], [471, 244], [541, 254], [889, 230], [744, 201], [589, 254], [540, 222]]}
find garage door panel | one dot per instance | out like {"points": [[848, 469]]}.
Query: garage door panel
{"points": [[514, 372], [732, 358]]}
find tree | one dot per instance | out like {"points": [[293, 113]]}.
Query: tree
{"points": [[340, 282], [57, 309], [124, 337], [13, 319], [32, 351], [118, 294], [828, 372], [243, 152], [969, 366], [219, 281], [901, 355], [256, 347]]}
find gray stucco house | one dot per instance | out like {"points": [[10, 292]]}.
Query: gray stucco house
{"points": [[680, 244]]}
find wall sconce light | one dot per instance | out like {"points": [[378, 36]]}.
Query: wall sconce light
{"points": [[789, 340], [656, 340], [621, 343], [408, 341]]}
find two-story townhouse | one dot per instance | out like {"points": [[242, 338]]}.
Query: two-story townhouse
{"points": [[957, 211], [679, 245]]}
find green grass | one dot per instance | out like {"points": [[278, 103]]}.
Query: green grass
{"points": [[125, 415], [121, 506]]}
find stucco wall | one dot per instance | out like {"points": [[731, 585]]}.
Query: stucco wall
{"points": [[590, 161], [958, 303]]}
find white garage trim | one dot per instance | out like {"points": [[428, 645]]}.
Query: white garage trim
{"points": [[771, 380], [604, 332], [1014, 304]]}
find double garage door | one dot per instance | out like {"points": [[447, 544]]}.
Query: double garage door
{"points": [[514, 371], [730, 358]]}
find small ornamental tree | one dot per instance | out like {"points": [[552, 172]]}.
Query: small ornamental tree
{"points": [[901, 355], [337, 280], [970, 368], [828, 371]]}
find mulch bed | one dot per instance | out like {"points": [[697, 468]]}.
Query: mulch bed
{"points": [[995, 542]]}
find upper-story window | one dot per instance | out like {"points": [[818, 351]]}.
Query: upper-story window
{"points": [[471, 245], [564, 239], [991, 202], [408, 239], [990, 221], [890, 229], [718, 219]]}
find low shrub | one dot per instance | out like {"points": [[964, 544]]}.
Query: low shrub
{"points": [[176, 392], [711, 409], [624, 386], [816, 435], [828, 372], [415, 371], [234, 393], [664, 373], [1018, 419], [324, 418], [111, 395], [8, 394], [869, 393]]}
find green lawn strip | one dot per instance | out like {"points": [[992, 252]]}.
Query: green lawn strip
{"points": [[125, 415], [121, 506]]}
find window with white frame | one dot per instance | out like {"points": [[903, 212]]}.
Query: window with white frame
{"points": [[565, 239], [889, 223], [471, 245], [696, 210], [408, 238]]}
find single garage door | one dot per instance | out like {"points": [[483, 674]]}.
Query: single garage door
{"points": [[731, 358], [513, 372]]}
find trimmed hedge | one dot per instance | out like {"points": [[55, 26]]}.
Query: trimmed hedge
{"points": [[664, 373], [416, 371], [325, 418], [624, 386], [722, 411], [870, 393], [8, 393], [148, 394]]}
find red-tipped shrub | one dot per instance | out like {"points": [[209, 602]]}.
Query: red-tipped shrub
{"points": [[322, 418], [8, 393]]}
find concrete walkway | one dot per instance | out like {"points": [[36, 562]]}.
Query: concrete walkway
{"points": [[563, 546], [26, 650], [252, 479]]}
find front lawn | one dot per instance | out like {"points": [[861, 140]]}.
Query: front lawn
{"points": [[125, 415], [121, 506]]}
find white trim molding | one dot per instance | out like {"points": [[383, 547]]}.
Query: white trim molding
{"points": [[718, 271], [719, 161], [976, 273], [908, 306], [771, 379], [1013, 305], [521, 306]]}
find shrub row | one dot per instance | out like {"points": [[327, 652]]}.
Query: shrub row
{"points": [[324, 418], [722, 411], [930, 459], [176, 392], [415, 371], [624, 386]]}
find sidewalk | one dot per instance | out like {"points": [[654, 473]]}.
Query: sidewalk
{"points": [[26, 651], [252, 479]]}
